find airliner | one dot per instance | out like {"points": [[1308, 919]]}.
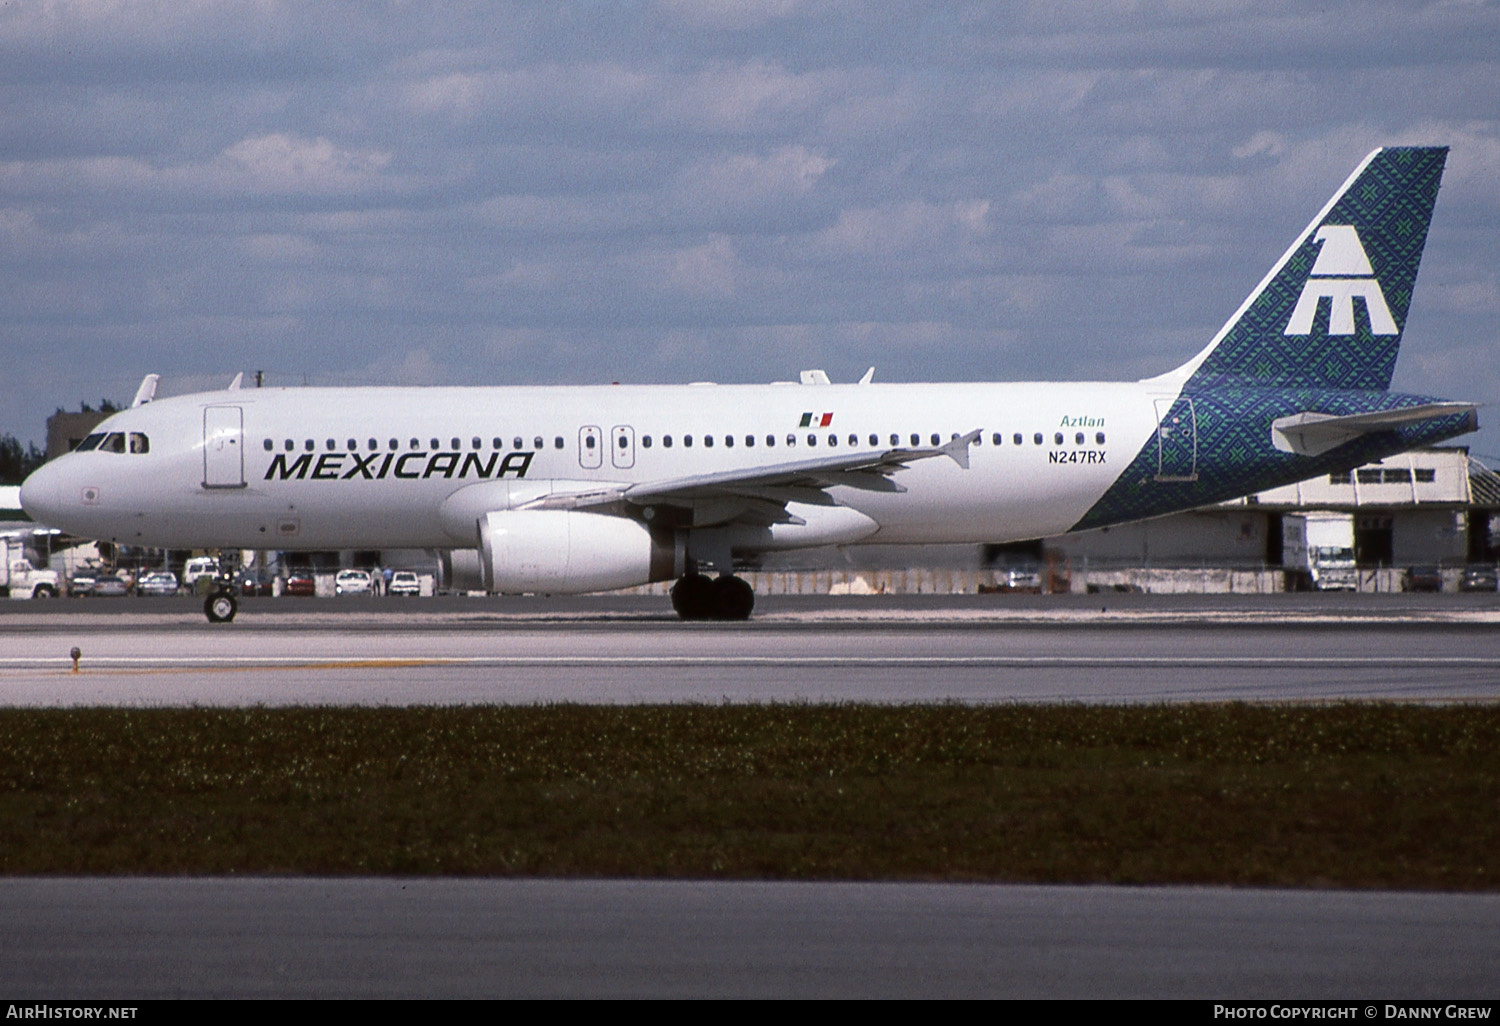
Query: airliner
{"points": [[582, 489]]}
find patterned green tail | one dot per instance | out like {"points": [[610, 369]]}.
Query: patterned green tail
{"points": [[1331, 314]]}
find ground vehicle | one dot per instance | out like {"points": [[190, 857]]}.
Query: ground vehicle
{"points": [[1319, 547], [19, 578], [158, 582], [404, 582], [82, 582], [300, 582], [1479, 577], [254, 582], [353, 582], [198, 568], [111, 585], [1423, 578]]}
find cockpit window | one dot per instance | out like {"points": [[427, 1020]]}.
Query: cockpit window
{"points": [[139, 442], [91, 442], [113, 442]]}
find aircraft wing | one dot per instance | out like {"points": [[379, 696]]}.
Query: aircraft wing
{"points": [[1312, 434], [760, 494]]}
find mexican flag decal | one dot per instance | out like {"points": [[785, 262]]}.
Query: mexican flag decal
{"points": [[816, 420]]}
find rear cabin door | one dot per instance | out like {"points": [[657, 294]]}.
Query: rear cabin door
{"points": [[1176, 440], [223, 447]]}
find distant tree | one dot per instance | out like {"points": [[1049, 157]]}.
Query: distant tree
{"points": [[16, 461]]}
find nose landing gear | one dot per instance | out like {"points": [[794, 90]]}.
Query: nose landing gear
{"points": [[699, 597], [220, 607]]}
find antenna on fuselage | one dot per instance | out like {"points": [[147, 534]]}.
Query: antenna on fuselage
{"points": [[147, 391]]}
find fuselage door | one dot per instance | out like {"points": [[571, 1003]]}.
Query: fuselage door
{"points": [[590, 447], [223, 447], [622, 446], [1176, 440]]}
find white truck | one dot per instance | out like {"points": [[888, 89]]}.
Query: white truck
{"points": [[1319, 547], [19, 579]]}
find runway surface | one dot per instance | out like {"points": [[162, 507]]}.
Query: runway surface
{"points": [[373, 653], [126, 939]]}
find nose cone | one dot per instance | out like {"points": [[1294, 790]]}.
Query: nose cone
{"points": [[43, 494]]}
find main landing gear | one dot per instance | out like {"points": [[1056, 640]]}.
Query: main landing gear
{"points": [[699, 597], [220, 607]]}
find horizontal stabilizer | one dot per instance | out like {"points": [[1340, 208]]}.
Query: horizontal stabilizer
{"points": [[1312, 434]]}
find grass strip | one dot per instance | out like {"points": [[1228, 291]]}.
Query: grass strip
{"points": [[1350, 795]]}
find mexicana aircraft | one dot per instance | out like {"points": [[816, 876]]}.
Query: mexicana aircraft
{"points": [[569, 490]]}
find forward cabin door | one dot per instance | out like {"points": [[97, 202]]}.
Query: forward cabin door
{"points": [[590, 447], [223, 447], [1176, 440]]}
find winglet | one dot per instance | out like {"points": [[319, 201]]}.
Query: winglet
{"points": [[147, 391], [869, 377], [234, 386], [958, 449]]}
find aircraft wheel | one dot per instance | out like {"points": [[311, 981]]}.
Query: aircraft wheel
{"points": [[220, 607], [692, 597], [733, 598]]}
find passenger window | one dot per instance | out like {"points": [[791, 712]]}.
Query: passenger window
{"points": [[353, 445], [454, 443], [895, 440], [854, 439], [515, 443], [916, 439], [416, 443], [1037, 438], [557, 442], [588, 442], [812, 439], [791, 440], [708, 441], [833, 441], [374, 445], [728, 441], [687, 441], [936, 438], [770, 441], [269, 445], [666, 440], [1099, 438], [330, 445], [395, 444], [536, 442], [435, 444], [308, 444], [290, 445], [1016, 438], [476, 442], [1078, 438], [749, 441], [1057, 439], [997, 439], [645, 441], [624, 442]]}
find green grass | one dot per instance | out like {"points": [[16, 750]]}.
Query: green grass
{"points": [[1351, 795]]}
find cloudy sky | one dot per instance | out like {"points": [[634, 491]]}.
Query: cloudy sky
{"points": [[734, 190]]}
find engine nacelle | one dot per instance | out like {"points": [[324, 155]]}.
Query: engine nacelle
{"points": [[564, 552]]}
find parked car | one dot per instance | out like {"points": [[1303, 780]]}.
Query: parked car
{"points": [[253, 582], [1479, 577], [112, 586], [1423, 578], [300, 582], [83, 581], [158, 582], [404, 582], [353, 582]]}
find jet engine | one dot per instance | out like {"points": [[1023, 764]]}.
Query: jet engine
{"points": [[565, 552]]}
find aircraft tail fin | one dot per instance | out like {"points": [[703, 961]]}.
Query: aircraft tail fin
{"points": [[1331, 312]]}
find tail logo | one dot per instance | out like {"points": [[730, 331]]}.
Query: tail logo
{"points": [[1341, 273]]}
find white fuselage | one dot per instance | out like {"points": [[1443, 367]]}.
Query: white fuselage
{"points": [[313, 468]]}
